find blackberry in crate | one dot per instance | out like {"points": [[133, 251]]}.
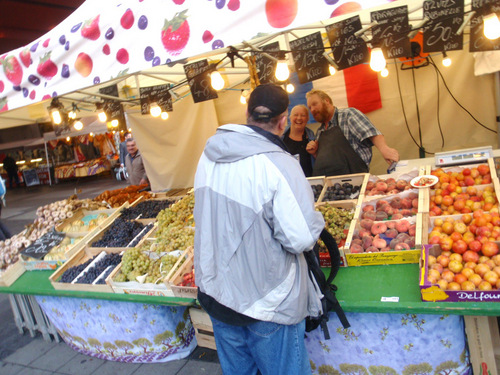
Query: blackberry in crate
{"points": [[338, 192]]}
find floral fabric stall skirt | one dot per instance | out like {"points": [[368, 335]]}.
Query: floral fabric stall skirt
{"points": [[122, 331], [391, 344]]}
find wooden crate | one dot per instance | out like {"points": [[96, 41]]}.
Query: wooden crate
{"points": [[9, 276], [98, 235], [80, 257], [176, 278], [484, 343], [358, 179], [203, 328], [318, 180]]}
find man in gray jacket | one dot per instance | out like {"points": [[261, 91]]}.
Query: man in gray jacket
{"points": [[254, 214], [135, 166]]}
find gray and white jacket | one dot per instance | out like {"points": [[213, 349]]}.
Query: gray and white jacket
{"points": [[254, 215]]}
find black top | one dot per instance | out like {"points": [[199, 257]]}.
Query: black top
{"points": [[299, 148]]}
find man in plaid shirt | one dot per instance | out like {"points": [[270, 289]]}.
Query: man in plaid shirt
{"points": [[345, 138]]}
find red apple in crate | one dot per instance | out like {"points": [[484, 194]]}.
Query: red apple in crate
{"points": [[489, 249], [459, 247], [470, 256]]}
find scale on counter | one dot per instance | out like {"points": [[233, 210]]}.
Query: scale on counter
{"points": [[465, 156]]}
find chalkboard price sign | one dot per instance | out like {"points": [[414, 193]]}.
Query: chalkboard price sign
{"points": [[31, 177], [308, 58], [478, 42], [348, 50], [391, 31], [113, 108], [44, 244], [198, 75], [155, 94], [266, 66], [445, 18]]}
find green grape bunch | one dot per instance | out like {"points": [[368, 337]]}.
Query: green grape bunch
{"points": [[336, 220]]}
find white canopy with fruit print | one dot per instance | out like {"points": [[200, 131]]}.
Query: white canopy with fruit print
{"points": [[103, 40]]}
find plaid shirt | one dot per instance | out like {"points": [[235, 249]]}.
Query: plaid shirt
{"points": [[357, 129]]}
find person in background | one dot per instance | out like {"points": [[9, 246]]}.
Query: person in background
{"points": [[255, 217], [10, 166], [345, 138], [135, 166], [297, 136], [123, 148]]}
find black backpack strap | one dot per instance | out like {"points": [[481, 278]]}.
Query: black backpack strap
{"points": [[334, 252]]}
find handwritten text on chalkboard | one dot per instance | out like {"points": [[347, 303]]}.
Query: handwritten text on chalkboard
{"points": [[155, 94], [44, 244], [348, 50], [391, 31], [198, 75], [308, 58], [478, 41], [265, 65], [445, 18]]}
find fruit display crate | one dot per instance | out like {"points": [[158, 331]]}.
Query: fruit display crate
{"points": [[432, 292], [389, 184], [203, 328], [411, 255], [140, 288], [78, 258], [85, 217], [404, 203], [11, 274], [186, 267], [359, 179], [317, 184]]}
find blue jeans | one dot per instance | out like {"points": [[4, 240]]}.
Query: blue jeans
{"points": [[261, 348]]}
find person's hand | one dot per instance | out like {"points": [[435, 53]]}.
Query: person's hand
{"points": [[122, 165], [312, 147], [390, 155]]}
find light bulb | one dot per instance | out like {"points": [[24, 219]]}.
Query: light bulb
{"points": [[78, 125], [155, 110], [217, 80], [164, 115], [56, 116], [130, 130], [377, 61], [332, 70], [243, 100], [384, 72], [91, 134], [68, 139], [114, 123], [290, 88], [491, 27], [282, 73], [72, 114], [446, 60], [102, 116]]}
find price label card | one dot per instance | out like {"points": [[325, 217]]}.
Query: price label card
{"points": [[308, 58], [389, 299], [44, 244], [445, 18], [478, 42], [348, 50], [159, 94], [391, 31], [198, 75], [265, 65], [113, 108]]}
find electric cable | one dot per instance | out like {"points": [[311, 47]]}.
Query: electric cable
{"points": [[455, 99], [437, 112], [417, 108]]}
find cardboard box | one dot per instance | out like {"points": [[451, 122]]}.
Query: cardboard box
{"points": [[203, 328], [10, 275], [432, 292], [484, 342], [78, 258]]}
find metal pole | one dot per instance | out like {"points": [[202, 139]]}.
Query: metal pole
{"points": [[48, 164]]}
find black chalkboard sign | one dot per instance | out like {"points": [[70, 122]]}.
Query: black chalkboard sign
{"points": [[478, 42], [30, 177], [266, 66], [348, 50], [445, 18], [391, 32], [308, 58], [113, 108], [159, 94], [198, 75], [44, 244]]}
